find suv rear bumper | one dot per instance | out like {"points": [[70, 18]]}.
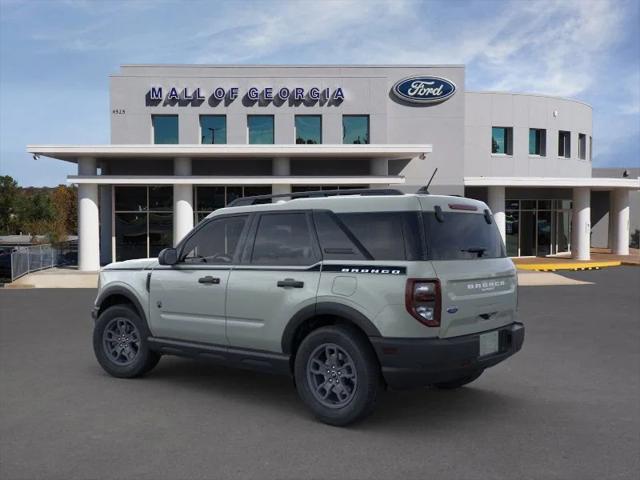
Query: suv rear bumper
{"points": [[416, 362]]}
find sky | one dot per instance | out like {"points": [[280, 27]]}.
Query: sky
{"points": [[56, 56]]}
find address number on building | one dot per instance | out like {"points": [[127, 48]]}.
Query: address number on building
{"points": [[118, 111]]}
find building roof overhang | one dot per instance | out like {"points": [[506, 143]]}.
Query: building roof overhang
{"points": [[235, 180], [595, 183], [72, 153]]}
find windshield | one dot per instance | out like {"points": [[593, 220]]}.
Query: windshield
{"points": [[461, 236]]}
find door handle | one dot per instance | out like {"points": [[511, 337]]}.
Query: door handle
{"points": [[290, 282], [209, 280]]}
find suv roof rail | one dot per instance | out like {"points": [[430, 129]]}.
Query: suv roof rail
{"points": [[245, 201]]}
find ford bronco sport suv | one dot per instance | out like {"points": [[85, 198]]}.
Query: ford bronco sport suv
{"points": [[347, 292]]}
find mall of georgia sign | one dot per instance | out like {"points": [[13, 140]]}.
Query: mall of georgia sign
{"points": [[423, 89]]}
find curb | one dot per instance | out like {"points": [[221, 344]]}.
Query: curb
{"points": [[574, 266]]}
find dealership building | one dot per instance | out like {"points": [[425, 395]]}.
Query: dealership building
{"points": [[188, 139]]}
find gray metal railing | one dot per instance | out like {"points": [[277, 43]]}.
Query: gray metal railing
{"points": [[38, 257]]}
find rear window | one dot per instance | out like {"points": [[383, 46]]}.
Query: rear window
{"points": [[385, 235], [461, 236]]}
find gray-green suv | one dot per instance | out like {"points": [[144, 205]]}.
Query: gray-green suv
{"points": [[347, 293]]}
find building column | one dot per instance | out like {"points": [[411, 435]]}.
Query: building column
{"points": [[182, 201], [619, 218], [497, 205], [581, 224], [281, 167], [88, 219]]}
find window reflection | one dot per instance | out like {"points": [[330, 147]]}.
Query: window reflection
{"points": [[261, 129], [308, 129], [355, 129]]}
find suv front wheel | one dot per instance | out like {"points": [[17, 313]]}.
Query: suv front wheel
{"points": [[120, 343], [337, 374]]}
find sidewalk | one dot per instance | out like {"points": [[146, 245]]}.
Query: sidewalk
{"points": [[600, 258], [57, 278]]}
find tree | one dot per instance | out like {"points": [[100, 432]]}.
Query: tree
{"points": [[65, 220], [9, 192]]}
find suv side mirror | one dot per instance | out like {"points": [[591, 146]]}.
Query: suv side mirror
{"points": [[168, 256]]}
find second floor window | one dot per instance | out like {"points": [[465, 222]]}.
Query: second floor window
{"points": [[564, 144], [502, 140], [165, 128], [213, 129], [261, 130], [537, 141], [582, 146], [308, 129], [355, 129]]}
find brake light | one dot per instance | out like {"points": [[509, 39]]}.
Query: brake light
{"points": [[422, 300]]}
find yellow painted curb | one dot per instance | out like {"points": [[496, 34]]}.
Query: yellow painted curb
{"points": [[552, 267]]}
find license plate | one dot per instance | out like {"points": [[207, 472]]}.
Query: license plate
{"points": [[489, 343]]}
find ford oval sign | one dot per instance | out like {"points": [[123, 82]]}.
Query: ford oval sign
{"points": [[424, 89]]}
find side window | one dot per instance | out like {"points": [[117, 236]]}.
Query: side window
{"points": [[334, 241], [215, 243], [283, 239], [386, 235]]}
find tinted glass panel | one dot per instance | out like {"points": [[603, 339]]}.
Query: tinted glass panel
{"points": [[131, 199], [260, 129], [385, 235], [308, 129], [335, 243], [355, 129], [462, 236], [512, 228], [161, 198], [501, 140], [209, 198], [283, 239], [165, 128], [131, 235], [213, 129], [215, 243], [233, 193], [160, 232]]}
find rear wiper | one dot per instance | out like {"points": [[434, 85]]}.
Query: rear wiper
{"points": [[480, 251]]}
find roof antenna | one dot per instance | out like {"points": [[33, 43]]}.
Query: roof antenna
{"points": [[425, 189]]}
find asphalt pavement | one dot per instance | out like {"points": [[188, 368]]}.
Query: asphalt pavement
{"points": [[566, 407]]}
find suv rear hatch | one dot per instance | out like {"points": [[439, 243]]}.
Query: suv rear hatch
{"points": [[478, 281]]}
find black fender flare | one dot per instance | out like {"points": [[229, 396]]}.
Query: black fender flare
{"points": [[326, 308], [125, 292]]}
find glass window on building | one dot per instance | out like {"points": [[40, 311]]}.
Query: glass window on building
{"points": [[143, 220], [582, 146], [213, 129], [590, 148], [564, 144], [208, 198], [165, 129], [502, 140], [355, 129], [538, 227], [308, 129], [537, 142], [261, 129]]}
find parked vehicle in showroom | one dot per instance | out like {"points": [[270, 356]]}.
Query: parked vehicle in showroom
{"points": [[347, 292]]}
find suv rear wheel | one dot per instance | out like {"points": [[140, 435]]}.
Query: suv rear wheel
{"points": [[120, 343], [337, 375]]}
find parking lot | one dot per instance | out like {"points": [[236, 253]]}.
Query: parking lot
{"points": [[565, 407]]}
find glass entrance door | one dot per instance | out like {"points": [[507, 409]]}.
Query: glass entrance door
{"points": [[544, 233], [527, 233]]}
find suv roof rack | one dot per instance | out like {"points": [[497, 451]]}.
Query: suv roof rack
{"points": [[245, 201]]}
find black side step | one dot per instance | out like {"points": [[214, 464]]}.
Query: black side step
{"points": [[259, 360]]}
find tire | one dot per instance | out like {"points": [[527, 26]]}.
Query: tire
{"points": [[458, 382], [338, 363], [131, 357]]}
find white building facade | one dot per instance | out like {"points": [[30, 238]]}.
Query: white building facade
{"points": [[188, 139]]}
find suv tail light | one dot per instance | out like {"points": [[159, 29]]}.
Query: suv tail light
{"points": [[422, 299]]}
